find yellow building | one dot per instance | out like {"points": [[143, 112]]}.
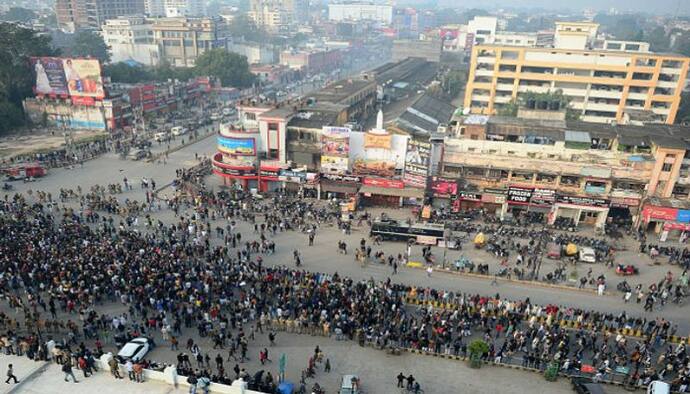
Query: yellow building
{"points": [[603, 85]]}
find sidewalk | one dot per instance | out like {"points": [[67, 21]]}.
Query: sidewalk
{"points": [[36, 380]]}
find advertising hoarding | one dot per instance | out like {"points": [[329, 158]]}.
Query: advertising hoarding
{"points": [[49, 76], [335, 149], [444, 187], [237, 146], [416, 163], [377, 141], [83, 77]]}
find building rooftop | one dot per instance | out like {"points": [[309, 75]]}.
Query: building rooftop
{"points": [[425, 115], [339, 91], [317, 116], [280, 112]]}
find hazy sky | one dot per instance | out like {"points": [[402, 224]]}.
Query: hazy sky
{"points": [[652, 6]]}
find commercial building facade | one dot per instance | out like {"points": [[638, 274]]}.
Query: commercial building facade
{"points": [[131, 38], [91, 14], [182, 40], [382, 13], [602, 85], [594, 174]]}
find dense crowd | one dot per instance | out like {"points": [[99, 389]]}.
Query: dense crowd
{"points": [[188, 276]]}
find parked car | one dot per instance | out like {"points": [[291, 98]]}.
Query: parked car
{"points": [[554, 251], [134, 350], [587, 255], [161, 136], [138, 154]]}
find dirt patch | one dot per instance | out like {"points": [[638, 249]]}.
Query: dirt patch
{"points": [[37, 142]]}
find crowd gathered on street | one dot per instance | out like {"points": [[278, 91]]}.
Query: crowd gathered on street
{"points": [[63, 259]]}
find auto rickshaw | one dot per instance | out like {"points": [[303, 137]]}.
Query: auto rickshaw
{"points": [[479, 241], [571, 249]]}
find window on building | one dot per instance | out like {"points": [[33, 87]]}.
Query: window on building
{"points": [[273, 154], [667, 167], [250, 116]]}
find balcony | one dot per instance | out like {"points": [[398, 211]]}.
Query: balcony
{"points": [[482, 72], [486, 59], [505, 87], [599, 93]]}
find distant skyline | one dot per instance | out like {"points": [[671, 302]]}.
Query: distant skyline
{"points": [[660, 7]]}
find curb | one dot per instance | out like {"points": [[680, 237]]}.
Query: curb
{"points": [[16, 388], [569, 325], [182, 146], [518, 281]]}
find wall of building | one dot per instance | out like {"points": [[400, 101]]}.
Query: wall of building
{"points": [[341, 12]]}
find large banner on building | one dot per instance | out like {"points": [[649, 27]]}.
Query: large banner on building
{"points": [[378, 141], [237, 146], [367, 160], [83, 77], [417, 163], [335, 149], [49, 76]]}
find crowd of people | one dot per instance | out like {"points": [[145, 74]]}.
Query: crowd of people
{"points": [[189, 278]]}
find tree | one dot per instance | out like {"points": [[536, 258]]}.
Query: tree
{"points": [[658, 40], [242, 26], [230, 68], [17, 45], [18, 14], [90, 44], [124, 73], [11, 116]]}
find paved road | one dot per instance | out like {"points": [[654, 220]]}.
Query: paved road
{"points": [[323, 256]]}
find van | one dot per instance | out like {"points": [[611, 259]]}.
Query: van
{"points": [[178, 130], [160, 136], [658, 387]]}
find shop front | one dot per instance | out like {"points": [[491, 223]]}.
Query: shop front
{"points": [[269, 178], [493, 201], [663, 220], [590, 211], [244, 176], [445, 192], [528, 204], [623, 211], [299, 183], [389, 193], [338, 186]]}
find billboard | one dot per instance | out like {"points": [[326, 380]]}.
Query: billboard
{"points": [[83, 77], [49, 76], [237, 146], [377, 141], [335, 149], [444, 187], [417, 162], [374, 167]]}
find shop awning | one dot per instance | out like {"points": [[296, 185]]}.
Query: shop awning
{"points": [[407, 192], [338, 187]]}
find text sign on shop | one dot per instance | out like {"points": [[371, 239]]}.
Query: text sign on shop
{"points": [[519, 195]]}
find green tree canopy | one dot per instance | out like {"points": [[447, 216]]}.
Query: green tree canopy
{"points": [[18, 14], [17, 45], [242, 26], [230, 68], [89, 44]]}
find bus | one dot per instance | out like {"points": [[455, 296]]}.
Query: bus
{"points": [[398, 230]]}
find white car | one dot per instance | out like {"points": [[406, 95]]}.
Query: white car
{"points": [[587, 255], [134, 350], [179, 130], [161, 136]]}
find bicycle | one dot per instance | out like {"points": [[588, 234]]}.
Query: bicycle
{"points": [[415, 390]]}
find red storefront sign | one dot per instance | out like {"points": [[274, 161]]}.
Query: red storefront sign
{"points": [[82, 100], [677, 226], [662, 213], [385, 183], [444, 188]]}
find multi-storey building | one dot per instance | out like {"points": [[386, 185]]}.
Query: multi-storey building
{"points": [[131, 38], [382, 13], [589, 172], [84, 14], [602, 85], [182, 40]]}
